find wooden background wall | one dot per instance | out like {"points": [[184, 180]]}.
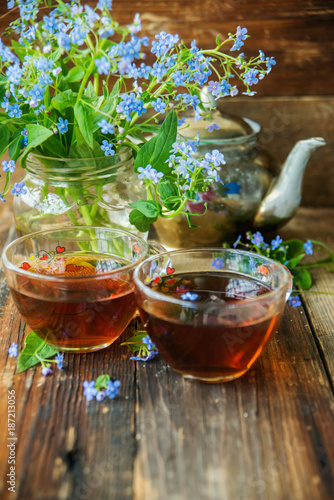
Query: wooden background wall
{"points": [[296, 100]]}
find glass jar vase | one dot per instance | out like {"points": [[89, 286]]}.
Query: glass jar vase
{"points": [[78, 191]]}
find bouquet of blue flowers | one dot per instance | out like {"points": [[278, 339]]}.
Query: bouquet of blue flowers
{"points": [[74, 84]]}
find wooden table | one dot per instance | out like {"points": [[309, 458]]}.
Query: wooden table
{"points": [[266, 436]]}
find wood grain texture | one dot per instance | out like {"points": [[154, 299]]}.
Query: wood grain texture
{"points": [[253, 439], [298, 34], [318, 225], [66, 447], [266, 436], [286, 120]]}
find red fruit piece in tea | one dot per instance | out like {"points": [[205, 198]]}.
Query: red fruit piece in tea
{"points": [[72, 268]]}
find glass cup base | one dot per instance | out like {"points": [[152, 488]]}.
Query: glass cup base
{"points": [[216, 380], [79, 350]]}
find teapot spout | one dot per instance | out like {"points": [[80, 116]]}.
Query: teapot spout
{"points": [[284, 196]]}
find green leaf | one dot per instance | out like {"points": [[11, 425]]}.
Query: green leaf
{"points": [[152, 129], [295, 247], [191, 195], [190, 223], [61, 101], [75, 75], [14, 148], [34, 345], [36, 136], [148, 208], [293, 262], [156, 151], [19, 49], [136, 342], [101, 382], [85, 118], [302, 278], [4, 139], [108, 108], [6, 182], [169, 194], [80, 54], [105, 92], [80, 148], [90, 92], [54, 148], [115, 90], [62, 7], [136, 134], [140, 221], [57, 54]]}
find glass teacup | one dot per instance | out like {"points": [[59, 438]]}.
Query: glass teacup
{"points": [[74, 286], [211, 312]]}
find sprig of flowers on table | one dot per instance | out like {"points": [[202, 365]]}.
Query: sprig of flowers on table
{"points": [[101, 388], [58, 100], [291, 253], [142, 345], [36, 351]]}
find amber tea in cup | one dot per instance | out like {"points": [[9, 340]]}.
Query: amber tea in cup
{"points": [[74, 286], [211, 312]]}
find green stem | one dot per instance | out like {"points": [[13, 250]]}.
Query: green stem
{"points": [[85, 78], [317, 264], [99, 191], [176, 212], [87, 216], [69, 213], [131, 145], [310, 291], [96, 83], [149, 193], [89, 71]]}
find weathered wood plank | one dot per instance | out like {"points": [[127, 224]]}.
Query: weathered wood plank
{"points": [[296, 33], [66, 447], [318, 225], [285, 121], [265, 436]]}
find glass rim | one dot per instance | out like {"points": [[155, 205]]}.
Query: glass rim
{"points": [[232, 141], [12, 267], [151, 293]]}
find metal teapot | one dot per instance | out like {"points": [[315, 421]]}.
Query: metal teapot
{"points": [[257, 192]]}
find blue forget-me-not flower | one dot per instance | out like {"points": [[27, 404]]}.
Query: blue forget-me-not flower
{"points": [[295, 301], [12, 351]]}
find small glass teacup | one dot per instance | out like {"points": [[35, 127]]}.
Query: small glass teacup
{"points": [[74, 286], [211, 312]]}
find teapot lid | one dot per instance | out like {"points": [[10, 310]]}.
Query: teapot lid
{"points": [[230, 126]]}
